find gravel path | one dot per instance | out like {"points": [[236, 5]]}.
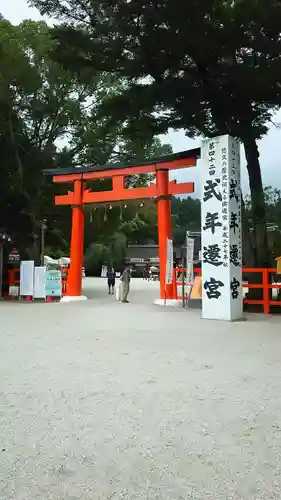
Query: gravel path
{"points": [[103, 400]]}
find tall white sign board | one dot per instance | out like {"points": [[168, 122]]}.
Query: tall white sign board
{"points": [[222, 296], [189, 259], [39, 282], [169, 262], [26, 278]]}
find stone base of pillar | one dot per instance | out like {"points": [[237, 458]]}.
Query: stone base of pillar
{"points": [[69, 298], [168, 302]]}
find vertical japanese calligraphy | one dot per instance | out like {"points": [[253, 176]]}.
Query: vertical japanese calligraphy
{"points": [[221, 229]]}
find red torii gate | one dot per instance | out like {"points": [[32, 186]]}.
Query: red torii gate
{"points": [[161, 191]]}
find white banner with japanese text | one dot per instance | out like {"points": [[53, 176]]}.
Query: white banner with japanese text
{"points": [[189, 260], [169, 262], [39, 282], [26, 278]]}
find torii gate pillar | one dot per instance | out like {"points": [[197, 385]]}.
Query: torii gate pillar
{"points": [[164, 229], [76, 246]]}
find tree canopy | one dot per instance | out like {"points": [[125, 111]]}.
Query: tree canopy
{"points": [[210, 67], [48, 120]]}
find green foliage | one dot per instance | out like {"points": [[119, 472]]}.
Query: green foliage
{"points": [[272, 198], [112, 253], [199, 58], [136, 222], [207, 67], [142, 226], [273, 213], [117, 249], [186, 215], [96, 255], [137, 225], [39, 106], [49, 119]]}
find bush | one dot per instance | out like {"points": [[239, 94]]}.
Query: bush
{"points": [[96, 255]]}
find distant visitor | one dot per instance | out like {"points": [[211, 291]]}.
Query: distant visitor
{"points": [[110, 280], [126, 278]]}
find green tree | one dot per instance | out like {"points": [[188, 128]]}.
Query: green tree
{"points": [[208, 67], [137, 221], [49, 119], [273, 213], [186, 214], [96, 255], [40, 103]]}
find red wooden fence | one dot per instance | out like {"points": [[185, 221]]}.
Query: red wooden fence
{"points": [[265, 284]]}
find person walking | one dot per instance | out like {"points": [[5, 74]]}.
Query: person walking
{"points": [[110, 280], [146, 272], [126, 278]]}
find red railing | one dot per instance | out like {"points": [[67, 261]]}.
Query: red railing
{"points": [[64, 279], [13, 280], [265, 285], [13, 277]]}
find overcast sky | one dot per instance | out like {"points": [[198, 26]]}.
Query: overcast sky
{"points": [[270, 146]]}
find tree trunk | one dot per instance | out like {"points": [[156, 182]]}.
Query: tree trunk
{"points": [[259, 234], [260, 243], [247, 238]]}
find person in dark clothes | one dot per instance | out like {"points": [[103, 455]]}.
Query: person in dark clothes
{"points": [[110, 280], [146, 272]]}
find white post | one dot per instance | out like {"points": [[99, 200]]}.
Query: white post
{"points": [[222, 296], [189, 264], [169, 262], [189, 259]]}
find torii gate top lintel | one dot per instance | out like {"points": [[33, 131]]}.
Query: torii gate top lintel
{"points": [[190, 154], [118, 172]]}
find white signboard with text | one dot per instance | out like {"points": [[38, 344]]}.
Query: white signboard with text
{"points": [[221, 230], [169, 262], [189, 260], [53, 283], [39, 282], [26, 278]]}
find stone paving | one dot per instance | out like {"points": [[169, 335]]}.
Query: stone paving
{"points": [[103, 400]]}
